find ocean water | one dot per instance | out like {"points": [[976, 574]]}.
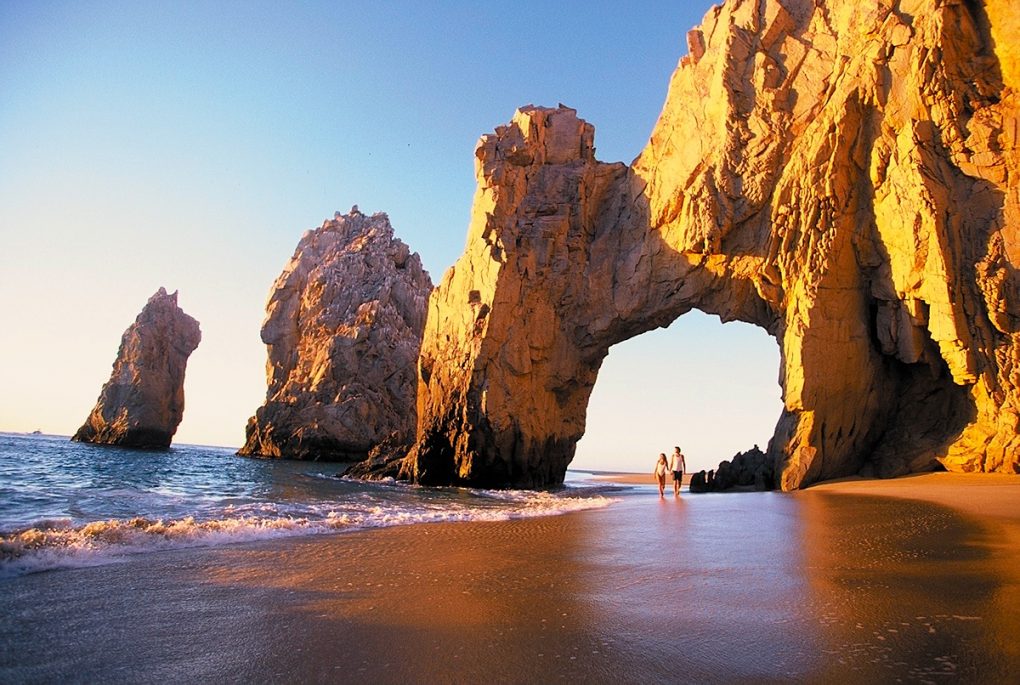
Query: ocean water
{"points": [[65, 504]]}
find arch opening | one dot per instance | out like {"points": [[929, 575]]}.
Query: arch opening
{"points": [[710, 387]]}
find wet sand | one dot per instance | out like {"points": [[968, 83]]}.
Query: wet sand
{"points": [[948, 552], [994, 496], [838, 583]]}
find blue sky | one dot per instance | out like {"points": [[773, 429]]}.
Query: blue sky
{"points": [[190, 144]]}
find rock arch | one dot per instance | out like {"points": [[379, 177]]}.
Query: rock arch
{"points": [[842, 174]]}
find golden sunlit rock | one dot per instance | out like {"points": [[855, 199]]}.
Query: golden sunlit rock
{"points": [[343, 327], [841, 173]]}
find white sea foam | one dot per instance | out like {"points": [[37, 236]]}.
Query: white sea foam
{"points": [[56, 544], [66, 504]]}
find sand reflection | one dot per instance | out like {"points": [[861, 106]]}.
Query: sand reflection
{"points": [[907, 590]]}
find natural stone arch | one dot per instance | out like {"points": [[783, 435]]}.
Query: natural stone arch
{"points": [[805, 176], [566, 267]]}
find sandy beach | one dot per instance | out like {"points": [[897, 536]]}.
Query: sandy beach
{"points": [[858, 581]]}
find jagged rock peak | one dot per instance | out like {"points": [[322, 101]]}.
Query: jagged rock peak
{"points": [[537, 136], [539, 188], [343, 329], [842, 173], [143, 402]]}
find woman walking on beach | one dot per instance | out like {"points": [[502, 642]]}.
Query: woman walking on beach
{"points": [[678, 467], [661, 467]]}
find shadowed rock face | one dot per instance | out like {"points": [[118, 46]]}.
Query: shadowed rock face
{"points": [[343, 328], [841, 173], [143, 402]]}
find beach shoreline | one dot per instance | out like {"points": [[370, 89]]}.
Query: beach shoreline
{"points": [[633, 478], [984, 495], [1000, 492], [841, 581]]}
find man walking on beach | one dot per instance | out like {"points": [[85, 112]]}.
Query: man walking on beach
{"points": [[677, 466]]}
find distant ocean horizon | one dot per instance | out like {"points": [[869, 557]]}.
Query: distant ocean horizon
{"points": [[65, 504]]}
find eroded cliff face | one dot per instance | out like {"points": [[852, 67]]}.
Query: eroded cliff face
{"points": [[513, 338], [343, 328], [143, 402], [841, 173]]}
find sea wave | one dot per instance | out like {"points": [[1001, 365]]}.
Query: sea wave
{"points": [[54, 544]]}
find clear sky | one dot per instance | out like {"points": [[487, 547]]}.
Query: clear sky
{"points": [[190, 144]]}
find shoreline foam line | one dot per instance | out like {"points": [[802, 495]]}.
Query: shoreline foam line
{"points": [[60, 544]]}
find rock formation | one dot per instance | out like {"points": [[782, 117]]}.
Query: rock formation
{"points": [[343, 328], [751, 470], [143, 402], [843, 173]]}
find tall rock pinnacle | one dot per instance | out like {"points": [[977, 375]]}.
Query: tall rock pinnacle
{"points": [[343, 329], [143, 402], [842, 173]]}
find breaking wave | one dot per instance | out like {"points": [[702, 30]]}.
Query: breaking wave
{"points": [[65, 504], [54, 544]]}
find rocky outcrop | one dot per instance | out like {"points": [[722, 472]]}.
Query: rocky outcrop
{"points": [[504, 380], [842, 173], [750, 470], [143, 402], [343, 328]]}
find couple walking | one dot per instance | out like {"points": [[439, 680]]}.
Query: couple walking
{"points": [[676, 464]]}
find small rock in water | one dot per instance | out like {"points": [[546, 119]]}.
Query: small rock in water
{"points": [[143, 402]]}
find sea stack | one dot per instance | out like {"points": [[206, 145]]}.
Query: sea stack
{"points": [[143, 402], [343, 329], [843, 174]]}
